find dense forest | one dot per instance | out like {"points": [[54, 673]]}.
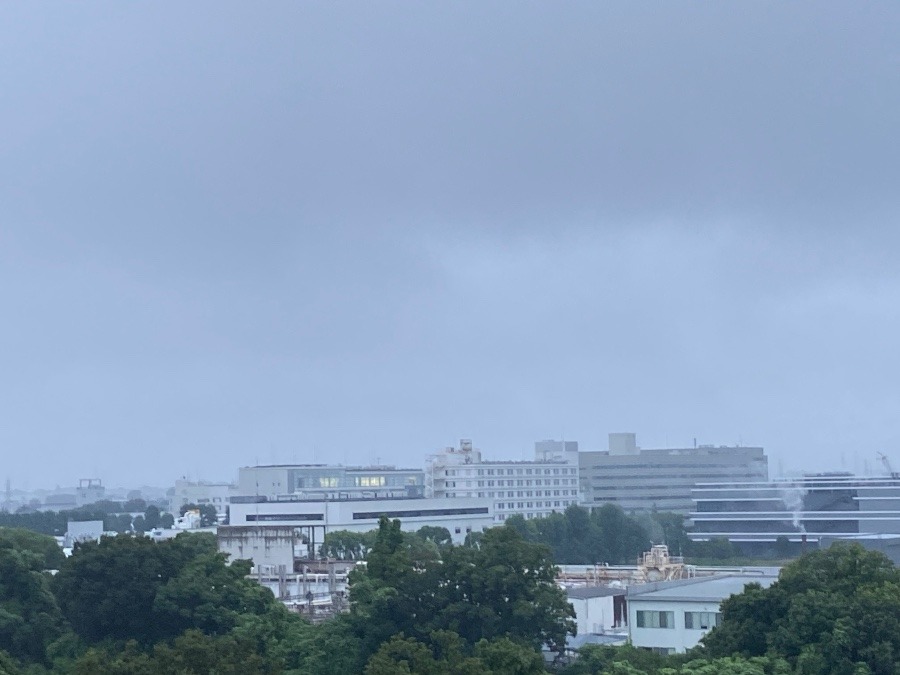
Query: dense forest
{"points": [[131, 606]]}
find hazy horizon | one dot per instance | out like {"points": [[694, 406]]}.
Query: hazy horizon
{"points": [[322, 232]]}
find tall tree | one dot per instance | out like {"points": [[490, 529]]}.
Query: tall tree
{"points": [[29, 616], [833, 611]]}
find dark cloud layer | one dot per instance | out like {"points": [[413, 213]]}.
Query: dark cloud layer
{"points": [[314, 231]]}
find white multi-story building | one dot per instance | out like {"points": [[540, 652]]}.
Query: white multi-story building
{"points": [[531, 489], [201, 493]]}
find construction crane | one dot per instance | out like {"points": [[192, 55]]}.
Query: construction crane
{"points": [[887, 465]]}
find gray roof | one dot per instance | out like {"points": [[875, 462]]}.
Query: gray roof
{"points": [[703, 589], [594, 592], [579, 641]]}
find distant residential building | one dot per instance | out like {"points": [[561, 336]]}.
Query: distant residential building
{"points": [[531, 489], [89, 491], [639, 479], [670, 617], [59, 502], [781, 516], [201, 493], [330, 481]]}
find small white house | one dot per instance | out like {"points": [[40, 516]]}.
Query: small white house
{"points": [[671, 616]]}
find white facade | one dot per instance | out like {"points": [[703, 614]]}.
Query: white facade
{"points": [[530, 489], [317, 517], [82, 531], [671, 616], [265, 546], [200, 493], [598, 609]]}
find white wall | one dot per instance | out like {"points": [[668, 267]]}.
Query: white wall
{"points": [[678, 638], [347, 515], [593, 615], [189, 492], [263, 545]]}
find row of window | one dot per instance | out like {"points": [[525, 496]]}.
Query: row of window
{"points": [[511, 472], [531, 505], [530, 493], [528, 516], [520, 493], [692, 620], [509, 483]]}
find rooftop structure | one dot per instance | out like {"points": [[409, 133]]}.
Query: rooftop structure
{"points": [[89, 491], [531, 489], [644, 479]]}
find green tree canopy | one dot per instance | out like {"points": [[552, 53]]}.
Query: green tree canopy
{"points": [[505, 587], [109, 589], [833, 611], [44, 546], [29, 616]]}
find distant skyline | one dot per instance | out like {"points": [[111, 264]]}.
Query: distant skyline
{"points": [[341, 232]]}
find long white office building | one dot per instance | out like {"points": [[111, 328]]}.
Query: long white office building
{"points": [[532, 489], [318, 517]]}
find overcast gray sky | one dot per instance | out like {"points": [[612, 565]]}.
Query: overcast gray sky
{"points": [[233, 232]]}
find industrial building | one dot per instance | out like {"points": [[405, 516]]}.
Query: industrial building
{"points": [[530, 489], [270, 532], [329, 481], [781, 516], [639, 479], [670, 617]]}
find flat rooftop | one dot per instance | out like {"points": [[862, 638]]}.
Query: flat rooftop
{"points": [[702, 589]]}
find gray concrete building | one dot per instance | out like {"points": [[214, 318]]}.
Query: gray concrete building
{"points": [[639, 479]]}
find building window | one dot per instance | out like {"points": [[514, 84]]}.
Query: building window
{"points": [[702, 620], [653, 619], [457, 530]]}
